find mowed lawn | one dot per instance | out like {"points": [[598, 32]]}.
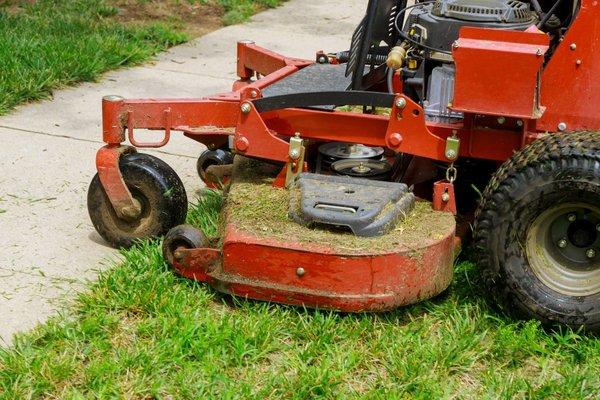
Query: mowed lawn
{"points": [[48, 44], [141, 332]]}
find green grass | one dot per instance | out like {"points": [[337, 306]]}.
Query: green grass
{"points": [[49, 44], [142, 332], [52, 43]]}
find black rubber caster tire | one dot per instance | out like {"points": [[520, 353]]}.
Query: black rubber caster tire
{"points": [[185, 236], [556, 172], [212, 157], [155, 186]]}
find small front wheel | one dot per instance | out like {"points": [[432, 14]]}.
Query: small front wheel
{"points": [[158, 190], [182, 237], [212, 157]]}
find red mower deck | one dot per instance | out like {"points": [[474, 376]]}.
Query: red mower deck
{"points": [[266, 256]]}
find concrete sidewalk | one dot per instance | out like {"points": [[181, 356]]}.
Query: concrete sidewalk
{"points": [[48, 247]]}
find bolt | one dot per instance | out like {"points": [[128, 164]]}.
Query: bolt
{"points": [[573, 46], [395, 139], [538, 52], [300, 271], [451, 154], [246, 108], [445, 197], [501, 120], [519, 123], [131, 212], [578, 62], [455, 45], [572, 217], [294, 154], [562, 243], [401, 103], [562, 127], [242, 144], [590, 253], [179, 255], [322, 60], [254, 94]]}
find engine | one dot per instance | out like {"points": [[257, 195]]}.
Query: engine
{"points": [[424, 53]]}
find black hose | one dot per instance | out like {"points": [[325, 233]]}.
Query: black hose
{"points": [[407, 38], [390, 80], [344, 56]]}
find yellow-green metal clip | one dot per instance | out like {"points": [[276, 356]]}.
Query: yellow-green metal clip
{"points": [[296, 163]]}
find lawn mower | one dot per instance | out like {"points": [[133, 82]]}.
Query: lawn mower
{"points": [[350, 178]]}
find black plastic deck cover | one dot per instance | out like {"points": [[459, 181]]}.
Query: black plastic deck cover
{"points": [[367, 207], [314, 78]]}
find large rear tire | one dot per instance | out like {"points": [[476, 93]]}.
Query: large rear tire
{"points": [[538, 231]]}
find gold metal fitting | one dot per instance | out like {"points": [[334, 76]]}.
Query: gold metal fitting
{"points": [[396, 57]]}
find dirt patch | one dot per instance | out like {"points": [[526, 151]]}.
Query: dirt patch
{"points": [[194, 19], [254, 206]]}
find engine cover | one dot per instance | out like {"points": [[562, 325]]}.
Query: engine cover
{"points": [[438, 24]]}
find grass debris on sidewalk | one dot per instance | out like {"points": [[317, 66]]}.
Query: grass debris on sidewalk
{"points": [[49, 44], [142, 332]]}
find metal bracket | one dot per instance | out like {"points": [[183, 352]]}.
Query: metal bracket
{"points": [[107, 164], [296, 162], [164, 141], [452, 147], [443, 197]]}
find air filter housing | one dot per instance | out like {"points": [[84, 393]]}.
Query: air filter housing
{"points": [[511, 11]]}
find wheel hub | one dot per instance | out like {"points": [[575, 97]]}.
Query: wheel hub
{"points": [[563, 248]]}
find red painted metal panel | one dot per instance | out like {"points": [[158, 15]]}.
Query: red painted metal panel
{"points": [[570, 82], [497, 72], [267, 269]]}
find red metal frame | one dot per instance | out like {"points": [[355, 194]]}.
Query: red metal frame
{"points": [[499, 74]]}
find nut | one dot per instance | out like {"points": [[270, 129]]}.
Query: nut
{"points": [[401, 103], [590, 253], [562, 243], [300, 271], [445, 197], [572, 217]]}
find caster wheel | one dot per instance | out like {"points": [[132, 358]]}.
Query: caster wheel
{"points": [[212, 157], [182, 236], [158, 190], [538, 230]]}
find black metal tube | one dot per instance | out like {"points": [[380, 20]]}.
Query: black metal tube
{"points": [[536, 7], [549, 14]]}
